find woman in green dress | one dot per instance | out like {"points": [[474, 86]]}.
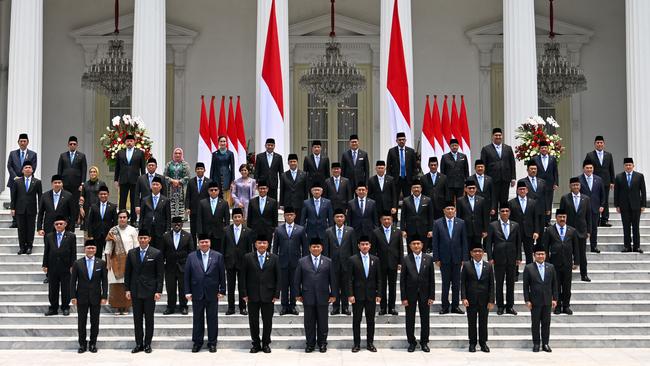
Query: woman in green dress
{"points": [[177, 174]]}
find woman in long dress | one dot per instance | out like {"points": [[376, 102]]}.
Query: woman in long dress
{"points": [[222, 170], [243, 189], [89, 193], [177, 173], [119, 241]]}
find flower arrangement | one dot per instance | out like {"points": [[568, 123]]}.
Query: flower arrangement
{"points": [[113, 140], [533, 131]]}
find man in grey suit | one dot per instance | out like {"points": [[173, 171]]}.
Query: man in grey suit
{"points": [[578, 208], [72, 167], [355, 164], [339, 247], [317, 213], [547, 171], [593, 187], [604, 168], [540, 295], [290, 244], [15, 162]]}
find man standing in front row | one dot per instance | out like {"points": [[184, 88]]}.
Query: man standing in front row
{"points": [[477, 293], [58, 257], [630, 202], [25, 196], [15, 163], [177, 246], [578, 209], [540, 295]]}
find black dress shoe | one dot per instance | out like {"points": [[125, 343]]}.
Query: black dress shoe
{"points": [[500, 311], [393, 312], [147, 349], [371, 347], [335, 312], [66, 312], [284, 312], [266, 349], [425, 348], [243, 312], [92, 348], [81, 349], [322, 349], [45, 280], [28, 251], [411, 347], [511, 311], [255, 349], [168, 311], [457, 310], [212, 348], [547, 348], [639, 251], [595, 250], [382, 312], [137, 349], [472, 348], [626, 250], [19, 252], [443, 311], [517, 278], [196, 348], [485, 348], [607, 224], [309, 349], [230, 311], [536, 348], [184, 311], [557, 311], [568, 311], [294, 311], [13, 225], [356, 349], [51, 312], [346, 312], [585, 279]]}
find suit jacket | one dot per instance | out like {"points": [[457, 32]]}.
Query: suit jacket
{"points": [[339, 199], [531, 221], [234, 256], [384, 199], [316, 174], [562, 254], [537, 195], [26, 202], [293, 192], [604, 170], [202, 284], [632, 197], [355, 173], [439, 192], [158, 220], [501, 169], [97, 226], [477, 220], [550, 174], [417, 221], [216, 171], [389, 252], [410, 162], [175, 258], [504, 251], [581, 220], [144, 279], [260, 284], [89, 290], [537, 291], [270, 173], [456, 171], [264, 222], [362, 223], [14, 166], [417, 286], [59, 259], [128, 173], [143, 189], [193, 196], [315, 285], [361, 287], [340, 253], [213, 225], [449, 250], [596, 194], [73, 173], [290, 249], [315, 225], [478, 291], [487, 192], [47, 213]]}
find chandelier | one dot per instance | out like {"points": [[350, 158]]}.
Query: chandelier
{"points": [[332, 77], [110, 75], [557, 78]]}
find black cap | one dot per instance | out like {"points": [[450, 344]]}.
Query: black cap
{"points": [[237, 211], [56, 177], [102, 188], [599, 138], [386, 213], [470, 183], [292, 156], [72, 138], [361, 184], [433, 159], [28, 162], [156, 180], [199, 165], [560, 211], [479, 162], [587, 162], [143, 232], [289, 209], [354, 137], [530, 163], [262, 183], [449, 203], [129, 137], [415, 237], [339, 211], [262, 237], [335, 164], [214, 184], [380, 163], [316, 143], [270, 141], [543, 143], [539, 247], [152, 160], [315, 240], [475, 245], [363, 238], [521, 184], [60, 218], [89, 242], [453, 141], [496, 130], [23, 136], [416, 182], [574, 180], [317, 184], [400, 134], [177, 220], [203, 237], [628, 160]]}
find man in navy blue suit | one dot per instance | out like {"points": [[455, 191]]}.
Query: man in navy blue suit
{"points": [[317, 213], [592, 186], [15, 162], [362, 212], [548, 172], [290, 244]]}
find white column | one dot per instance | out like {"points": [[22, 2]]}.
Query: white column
{"points": [[5, 20], [25, 79], [637, 40], [149, 60]]}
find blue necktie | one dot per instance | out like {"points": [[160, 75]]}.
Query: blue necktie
{"points": [[336, 183], [506, 233], [354, 157], [205, 262], [471, 202], [102, 210], [402, 163], [142, 253], [261, 259], [200, 184], [289, 230], [387, 234], [433, 178], [562, 233], [293, 174], [361, 205], [590, 182], [22, 157], [450, 227], [213, 205], [89, 266], [366, 269], [71, 157], [480, 182], [629, 179], [262, 204], [236, 235], [498, 148], [315, 264], [56, 200], [479, 268], [317, 204], [533, 182], [150, 180], [416, 200], [26, 184], [417, 263], [541, 268], [523, 204], [576, 202], [339, 235], [59, 236], [317, 161], [129, 154], [155, 202]]}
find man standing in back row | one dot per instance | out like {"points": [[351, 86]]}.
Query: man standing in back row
{"points": [[604, 168], [15, 162], [500, 165], [355, 164], [72, 168], [401, 164], [129, 164], [269, 166]]}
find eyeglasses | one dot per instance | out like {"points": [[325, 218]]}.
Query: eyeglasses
{"points": [[59, 223]]}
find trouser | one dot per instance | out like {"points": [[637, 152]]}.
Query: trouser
{"points": [[541, 316], [593, 237], [481, 312], [582, 253], [26, 227], [175, 285], [193, 229], [156, 240], [59, 282], [341, 294], [389, 287], [403, 186], [423, 306], [604, 217], [455, 193], [450, 273], [232, 277], [528, 248], [266, 308], [548, 201], [202, 309], [501, 192], [357, 313], [316, 325], [216, 244], [82, 319], [74, 206], [631, 219], [471, 239], [143, 309], [273, 192], [100, 243], [13, 218], [125, 189], [564, 287], [506, 272], [288, 296]]}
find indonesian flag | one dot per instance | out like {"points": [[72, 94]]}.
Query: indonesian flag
{"points": [[222, 123], [446, 127], [464, 130], [437, 130], [455, 127], [428, 139], [204, 153], [241, 137], [213, 131], [231, 136]]}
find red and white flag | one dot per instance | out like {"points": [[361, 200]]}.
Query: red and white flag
{"points": [[427, 140], [446, 127], [464, 130], [222, 123], [455, 126], [213, 131], [241, 136], [204, 153], [231, 136], [437, 129]]}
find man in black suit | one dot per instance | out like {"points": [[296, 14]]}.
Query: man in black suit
{"points": [[477, 294], [15, 162], [156, 214], [578, 209], [604, 168], [315, 285], [129, 165], [561, 244], [269, 166], [362, 212], [339, 246], [260, 279], [630, 202], [72, 167], [205, 284], [548, 172], [317, 213], [58, 257], [503, 245], [293, 186], [364, 289], [434, 186], [25, 198], [290, 244], [53, 203], [315, 165], [528, 213], [337, 189], [417, 214], [418, 291], [101, 217], [89, 291], [473, 209], [455, 166], [593, 187], [355, 164], [197, 189], [402, 165], [144, 183], [177, 246], [143, 279], [388, 246], [383, 190], [213, 217], [262, 211], [536, 188], [239, 240], [500, 165], [540, 295], [484, 187]]}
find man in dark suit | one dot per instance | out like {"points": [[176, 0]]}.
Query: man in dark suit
{"points": [[473, 209], [484, 187], [293, 186], [528, 213], [418, 291], [53, 203], [290, 244], [315, 285], [101, 217], [15, 162], [317, 213], [89, 291], [316, 165], [455, 166], [339, 247], [355, 164], [604, 168], [156, 214], [548, 172], [540, 295], [500, 165], [364, 289], [449, 250], [383, 190], [197, 189], [239, 240], [387, 244], [417, 214], [205, 284], [630, 202], [434, 186], [72, 167], [402, 165], [177, 246], [477, 294], [262, 211], [25, 199], [129, 165], [578, 209], [592, 186], [144, 183], [561, 244], [58, 257], [536, 188], [213, 216], [362, 212], [337, 189], [260, 279], [503, 245], [269, 166]]}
